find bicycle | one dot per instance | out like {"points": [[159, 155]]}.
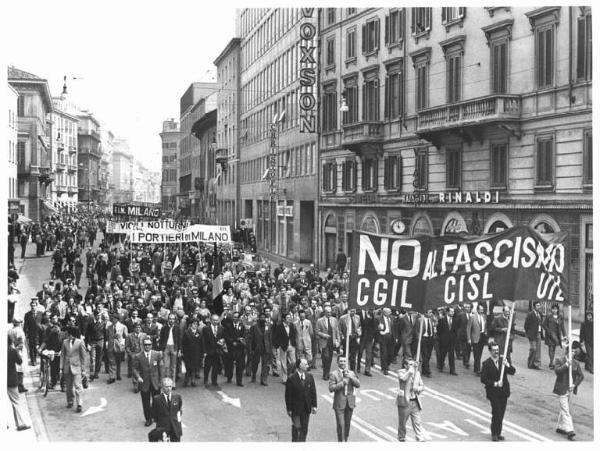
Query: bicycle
{"points": [[45, 379]]}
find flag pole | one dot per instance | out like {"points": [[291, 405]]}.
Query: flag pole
{"points": [[570, 345], [418, 356], [507, 340], [348, 327]]}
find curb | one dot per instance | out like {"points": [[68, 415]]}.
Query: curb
{"points": [[35, 412]]}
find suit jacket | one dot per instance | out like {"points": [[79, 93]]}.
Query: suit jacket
{"points": [[462, 323], [336, 386], [533, 324], [410, 387], [561, 385], [322, 329], [168, 415], [261, 338], [135, 344], [474, 327], [73, 356], [235, 336], [149, 371], [305, 334], [300, 398], [343, 325], [283, 339], [406, 330], [555, 330], [368, 326], [491, 374], [164, 337], [115, 335], [447, 335], [209, 340], [500, 322]]}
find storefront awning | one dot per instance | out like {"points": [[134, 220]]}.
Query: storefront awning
{"points": [[48, 206]]}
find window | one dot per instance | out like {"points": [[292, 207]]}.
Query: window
{"points": [[499, 67], [330, 16], [587, 158], [369, 174], [21, 106], [329, 176], [545, 56], [351, 116], [452, 14], [453, 168], [21, 153], [330, 55], [330, 109], [498, 165], [392, 179], [545, 162], [453, 77], [422, 88], [350, 11], [421, 169], [421, 21], [351, 43], [393, 27], [394, 101], [371, 99], [349, 175], [584, 47], [370, 36]]}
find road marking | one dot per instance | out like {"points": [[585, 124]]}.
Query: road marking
{"points": [[484, 429], [450, 427], [229, 400], [408, 437], [367, 393], [96, 409]]}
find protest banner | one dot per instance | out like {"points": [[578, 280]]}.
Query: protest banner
{"points": [[193, 233], [136, 210], [427, 272], [164, 225]]}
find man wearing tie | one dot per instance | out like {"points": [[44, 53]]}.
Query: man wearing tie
{"points": [[170, 344], [329, 339], [147, 371], [300, 399], [350, 319], [477, 336], [427, 342], [212, 339], [408, 401], [73, 357], [305, 334], [497, 390], [534, 332], [342, 383], [368, 327], [385, 340], [447, 333], [167, 410], [235, 338]]}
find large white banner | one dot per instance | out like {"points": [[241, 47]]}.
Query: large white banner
{"points": [[193, 233], [165, 226]]}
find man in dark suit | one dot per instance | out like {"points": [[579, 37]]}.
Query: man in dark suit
{"points": [[535, 334], [406, 330], [284, 341], [147, 371], [462, 321], [213, 339], [170, 345], [368, 326], [386, 342], [166, 410], [447, 330], [261, 347], [235, 338], [496, 390], [341, 384], [426, 341], [300, 400]]}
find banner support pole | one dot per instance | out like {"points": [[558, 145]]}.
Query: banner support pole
{"points": [[418, 356], [348, 327], [570, 358], [507, 340]]}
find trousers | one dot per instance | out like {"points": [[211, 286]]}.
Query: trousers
{"points": [[412, 411], [300, 427], [565, 420], [343, 418]]}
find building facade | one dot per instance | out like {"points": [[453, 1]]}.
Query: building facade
{"points": [[228, 146], [89, 156], [191, 108], [107, 139], [206, 179], [278, 174], [122, 181], [33, 143], [458, 119], [12, 133], [168, 186]]}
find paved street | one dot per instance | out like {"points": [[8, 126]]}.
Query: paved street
{"points": [[455, 408]]}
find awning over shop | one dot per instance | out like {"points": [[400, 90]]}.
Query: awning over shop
{"points": [[48, 206], [23, 220]]}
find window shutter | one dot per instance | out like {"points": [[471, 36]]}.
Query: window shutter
{"points": [[386, 173], [457, 78], [364, 173], [444, 15], [580, 47], [399, 172], [364, 38], [386, 100], [375, 174], [412, 20], [376, 47], [364, 102], [387, 30], [344, 178], [325, 177], [334, 175], [462, 12], [354, 174]]}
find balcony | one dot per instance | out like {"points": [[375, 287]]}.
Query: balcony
{"points": [[31, 169], [61, 189], [72, 150], [502, 110], [72, 189], [72, 167], [61, 166], [363, 137], [60, 146]]}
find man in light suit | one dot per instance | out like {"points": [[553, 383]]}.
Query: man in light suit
{"points": [[134, 343], [341, 384], [477, 336], [300, 400], [350, 319], [329, 339], [535, 334], [408, 401], [305, 334], [386, 342], [147, 371], [73, 357], [116, 332], [167, 410]]}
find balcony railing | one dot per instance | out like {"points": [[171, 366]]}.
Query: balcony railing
{"points": [[31, 169], [72, 149], [60, 146], [357, 135], [61, 166], [61, 188], [72, 167], [72, 189], [497, 107]]}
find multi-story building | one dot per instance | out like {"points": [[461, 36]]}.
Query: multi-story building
{"points": [[458, 119], [14, 206], [191, 108], [33, 143], [146, 184], [89, 155], [278, 140], [122, 181], [107, 139], [228, 146], [64, 162], [168, 186], [204, 202]]}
